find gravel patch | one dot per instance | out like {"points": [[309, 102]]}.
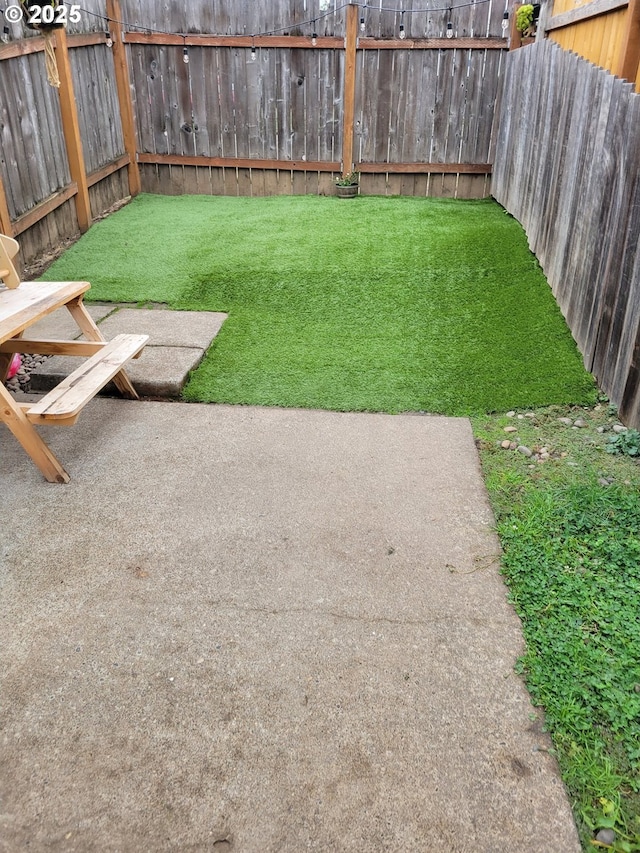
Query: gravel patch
{"points": [[22, 380]]}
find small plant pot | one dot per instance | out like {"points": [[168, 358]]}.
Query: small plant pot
{"points": [[347, 192], [44, 16]]}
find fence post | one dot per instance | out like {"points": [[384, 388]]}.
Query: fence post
{"points": [[515, 39], [5, 218], [546, 11], [350, 46], [71, 131], [124, 94], [630, 53]]}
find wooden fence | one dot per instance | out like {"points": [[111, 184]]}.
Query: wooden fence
{"points": [[277, 96], [267, 111], [64, 151], [606, 32], [567, 166]]}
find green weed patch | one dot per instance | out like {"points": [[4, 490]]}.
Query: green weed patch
{"points": [[570, 530]]}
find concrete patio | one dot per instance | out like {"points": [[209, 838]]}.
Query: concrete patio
{"points": [[252, 629]]}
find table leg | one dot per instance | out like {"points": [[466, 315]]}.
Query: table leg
{"points": [[91, 332], [5, 361], [13, 416]]}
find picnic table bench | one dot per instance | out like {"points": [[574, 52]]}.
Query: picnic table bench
{"points": [[21, 305]]}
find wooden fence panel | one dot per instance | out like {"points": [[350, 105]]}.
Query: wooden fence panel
{"points": [[41, 195], [230, 17], [34, 163], [291, 17], [97, 102], [568, 167], [280, 106]]}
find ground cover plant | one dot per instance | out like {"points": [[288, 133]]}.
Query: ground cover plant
{"points": [[569, 523], [376, 304]]}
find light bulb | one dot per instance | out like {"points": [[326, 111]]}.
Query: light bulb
{"points": [[449, 30], [314, 39], [253, 53], [505, 22], [185, 55], [403, 35], [362, 27], [109, 41]]}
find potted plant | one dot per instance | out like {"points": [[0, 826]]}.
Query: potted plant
{"points": [[49, 15], [525, 21], [347, 185]]}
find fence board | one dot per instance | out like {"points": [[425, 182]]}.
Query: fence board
{"points": [[98, 109], [568, 167]]}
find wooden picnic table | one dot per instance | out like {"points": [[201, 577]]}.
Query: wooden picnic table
{"points": [[22, 304]]}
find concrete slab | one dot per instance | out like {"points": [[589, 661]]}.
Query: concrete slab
{"points": [[61, 325], [178, 341], [261, 630], [159, 372], [166, 328]]}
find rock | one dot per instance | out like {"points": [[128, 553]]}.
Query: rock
{"points": [[520, 417], [22, 380], [602, 481], [566, 421], [580, 423], [511, 429], [506, 444], [605, 836], [600, 430], [619, 428], [529, 414], [511, 414], [524, 450], [513, 445]]}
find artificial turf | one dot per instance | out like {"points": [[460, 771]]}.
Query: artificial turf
{"points": [[375, 304]]}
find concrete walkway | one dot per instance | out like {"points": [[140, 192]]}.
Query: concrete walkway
{"points": [[257, 630]]}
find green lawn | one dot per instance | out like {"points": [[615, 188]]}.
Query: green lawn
{"points": [[375, 304]]}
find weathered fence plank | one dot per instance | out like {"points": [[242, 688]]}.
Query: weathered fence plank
{"points": [[568, 167]]}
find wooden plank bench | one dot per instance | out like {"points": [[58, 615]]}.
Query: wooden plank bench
{"points": [[64, 403]]}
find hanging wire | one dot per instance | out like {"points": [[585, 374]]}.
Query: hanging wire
{"points": [[312, 21]]}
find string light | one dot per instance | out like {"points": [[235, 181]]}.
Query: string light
{"points": [[253, 51], [403, 35], [505, 22], [285, 29], [185, 55], [109, 41], [449, 30], [314, 36]]}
